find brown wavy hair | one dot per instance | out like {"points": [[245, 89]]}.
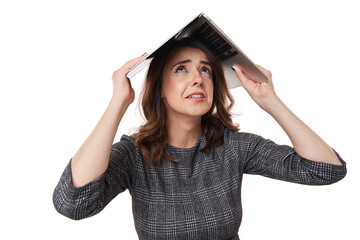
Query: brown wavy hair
{"points": [[151, 137]]}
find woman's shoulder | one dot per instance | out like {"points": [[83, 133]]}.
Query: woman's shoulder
{"points": [[126, 144], [239, 136]]}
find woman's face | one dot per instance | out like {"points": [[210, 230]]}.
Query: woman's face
{"points": [[187, 88]]}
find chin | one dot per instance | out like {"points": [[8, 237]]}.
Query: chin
{"points": [[198, 113]]}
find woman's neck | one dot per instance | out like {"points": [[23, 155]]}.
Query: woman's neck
{"points": [[183, 133]]}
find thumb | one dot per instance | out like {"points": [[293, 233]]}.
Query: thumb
{"points": [[245, 82]]}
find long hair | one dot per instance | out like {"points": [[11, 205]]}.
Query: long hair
{"points": [[151, 137]]}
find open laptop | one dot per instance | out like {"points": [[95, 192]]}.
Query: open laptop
{"points": [[204, 29]]}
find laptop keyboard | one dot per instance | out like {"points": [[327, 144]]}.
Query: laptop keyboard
{"points": [[214, 42]]}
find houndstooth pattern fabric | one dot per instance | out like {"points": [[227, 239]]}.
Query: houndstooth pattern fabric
{"points": [[197, 198]]}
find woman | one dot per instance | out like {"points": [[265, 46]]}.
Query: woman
{"points": [[184, 166]]}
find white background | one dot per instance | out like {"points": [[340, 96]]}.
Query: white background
{"points": [[56, 63]]}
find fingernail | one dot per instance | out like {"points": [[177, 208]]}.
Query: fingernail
{"points": [[232, 67], [144, 54]]}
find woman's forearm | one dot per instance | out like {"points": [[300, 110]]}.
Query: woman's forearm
{"points": [[92, 159], [305, 141]]}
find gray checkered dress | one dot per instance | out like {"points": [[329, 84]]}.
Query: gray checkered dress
{"points": [[198, 198]]}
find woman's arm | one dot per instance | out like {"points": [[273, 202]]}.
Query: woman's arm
{"points": [[92, 159], [305, 141]]}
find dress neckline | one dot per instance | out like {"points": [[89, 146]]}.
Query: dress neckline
{"points": [[171, 147]]}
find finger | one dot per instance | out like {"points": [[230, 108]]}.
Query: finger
{"points": [[131, 63], [264, 70], [245, 82]]}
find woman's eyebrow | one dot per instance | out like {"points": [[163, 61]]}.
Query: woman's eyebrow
{"points": [[205, 62], [181, 62], [188, 60]]}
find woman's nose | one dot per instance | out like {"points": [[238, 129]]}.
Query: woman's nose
{"points": [[197, 79]]}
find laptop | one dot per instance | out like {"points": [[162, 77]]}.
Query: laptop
{"points": [[205, 30]]}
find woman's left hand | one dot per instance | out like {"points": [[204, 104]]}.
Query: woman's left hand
{"points": [[305, 141], [261, 92]]}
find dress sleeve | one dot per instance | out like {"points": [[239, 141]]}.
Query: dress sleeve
{"points": [[264, 157], [88, 200]]}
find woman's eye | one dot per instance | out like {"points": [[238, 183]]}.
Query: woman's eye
{"points": [[206, 70], [180, 69]]}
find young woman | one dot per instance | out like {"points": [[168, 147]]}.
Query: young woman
{"points": [[184, 166]]}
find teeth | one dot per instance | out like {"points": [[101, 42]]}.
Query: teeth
{"points": [[195, 96]]}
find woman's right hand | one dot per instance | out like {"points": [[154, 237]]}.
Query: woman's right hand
{"points": [[122, 89]]}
